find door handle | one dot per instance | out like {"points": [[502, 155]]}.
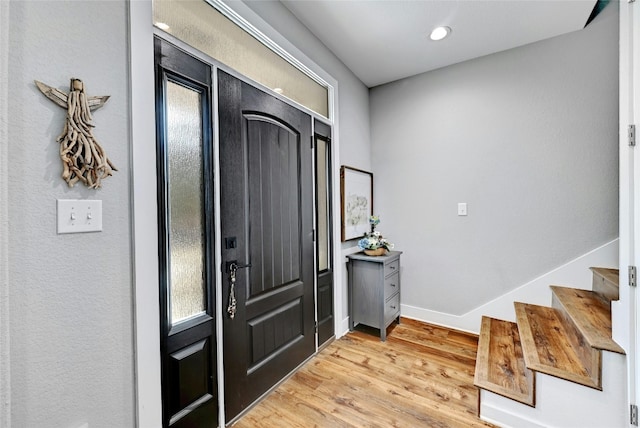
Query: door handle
{"points": [[232, 268], [228, 266]]}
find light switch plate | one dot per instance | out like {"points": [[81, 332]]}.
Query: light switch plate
{"points": [[79, 215], [462, 208]]}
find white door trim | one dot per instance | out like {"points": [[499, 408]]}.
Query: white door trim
{"points": [[145, 230], [625, 321], [634, 296]]}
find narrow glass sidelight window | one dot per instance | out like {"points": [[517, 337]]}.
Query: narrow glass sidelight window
{"points": [[185, 222], [323, 169], [203, 27]]}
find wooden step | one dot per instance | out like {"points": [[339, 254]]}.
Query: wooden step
{"points": [[551, 346], [606, 282], [590, 313], [500, 366]]}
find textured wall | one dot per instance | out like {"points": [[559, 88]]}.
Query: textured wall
{"points": [[526, 137], [71, 344], [5, 355]]}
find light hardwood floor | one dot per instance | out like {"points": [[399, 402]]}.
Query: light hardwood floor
{"points": [[422, 376]]}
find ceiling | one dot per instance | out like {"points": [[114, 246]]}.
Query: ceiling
{"points": [[386, 40]]}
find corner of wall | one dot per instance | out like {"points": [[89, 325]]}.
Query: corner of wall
{"points": [[145, 269], [575, 273]]}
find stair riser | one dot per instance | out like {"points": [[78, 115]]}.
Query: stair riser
{"points": [[606, 288]]}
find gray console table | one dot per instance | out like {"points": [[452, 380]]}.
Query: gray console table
{"points": [[374, 290]]}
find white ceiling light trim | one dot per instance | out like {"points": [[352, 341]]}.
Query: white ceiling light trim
{"points": [[440, 33]]}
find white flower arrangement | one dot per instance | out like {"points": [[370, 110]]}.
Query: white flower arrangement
{"points": [[374, 239]]}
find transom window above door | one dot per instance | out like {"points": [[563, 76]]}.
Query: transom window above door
{"points": [[202, 26]]}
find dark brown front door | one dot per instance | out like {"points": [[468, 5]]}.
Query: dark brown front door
{"points": [[267, 230]]}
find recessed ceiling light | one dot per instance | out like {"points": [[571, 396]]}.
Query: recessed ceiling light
{"points": [[278, 90], [162, 26], [440, 33]]}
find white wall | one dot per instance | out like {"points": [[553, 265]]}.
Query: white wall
{"points": [[70, 326], [575, 273], [526, 137]]}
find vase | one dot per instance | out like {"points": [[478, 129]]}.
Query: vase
{"points": [[377, 252]]}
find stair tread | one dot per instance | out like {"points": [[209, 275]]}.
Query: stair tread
{"points": [[547, 346], [591, 315], [500, 366]]}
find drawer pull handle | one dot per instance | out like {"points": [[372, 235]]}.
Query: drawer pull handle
{"points": [[392, 267], [392, 307], [393, 285]]}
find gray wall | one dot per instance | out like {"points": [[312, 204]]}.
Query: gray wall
{"points": [[71, 341], [526, 137]]}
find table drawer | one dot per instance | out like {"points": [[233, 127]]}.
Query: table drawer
{"points": [[391, 309], [391, 285], [391, 268]]}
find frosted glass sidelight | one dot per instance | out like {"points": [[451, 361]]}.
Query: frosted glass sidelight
{"points": [[187, 291], [323, 204], [201, 26]]}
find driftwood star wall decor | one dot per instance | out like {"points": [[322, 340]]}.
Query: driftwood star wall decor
{"points": [[83, 158]]}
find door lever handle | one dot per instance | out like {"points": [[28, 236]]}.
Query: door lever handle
{"points": [[228, 266], [232, 268]]}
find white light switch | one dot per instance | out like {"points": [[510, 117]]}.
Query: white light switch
{"points": [[462, 208], [79, 215]]}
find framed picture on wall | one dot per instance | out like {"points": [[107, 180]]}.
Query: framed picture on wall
{"points": [[356, 202]]}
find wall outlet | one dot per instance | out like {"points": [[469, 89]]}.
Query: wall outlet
{"points": [[79, 215], [462, 208]]}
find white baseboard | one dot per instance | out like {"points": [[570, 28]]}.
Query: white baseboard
{"points": [[576, 274]]}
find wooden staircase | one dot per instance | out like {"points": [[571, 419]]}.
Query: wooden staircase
{"points": [[565, 340]]}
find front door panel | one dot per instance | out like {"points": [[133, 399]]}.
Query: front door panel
{"points": [[185, 236], [267, 227], [324, 241]]}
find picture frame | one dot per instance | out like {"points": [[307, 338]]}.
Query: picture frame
{"points": [[356, 202]]}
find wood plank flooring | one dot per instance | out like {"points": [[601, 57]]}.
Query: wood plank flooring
{"points": [[422, 376]]}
